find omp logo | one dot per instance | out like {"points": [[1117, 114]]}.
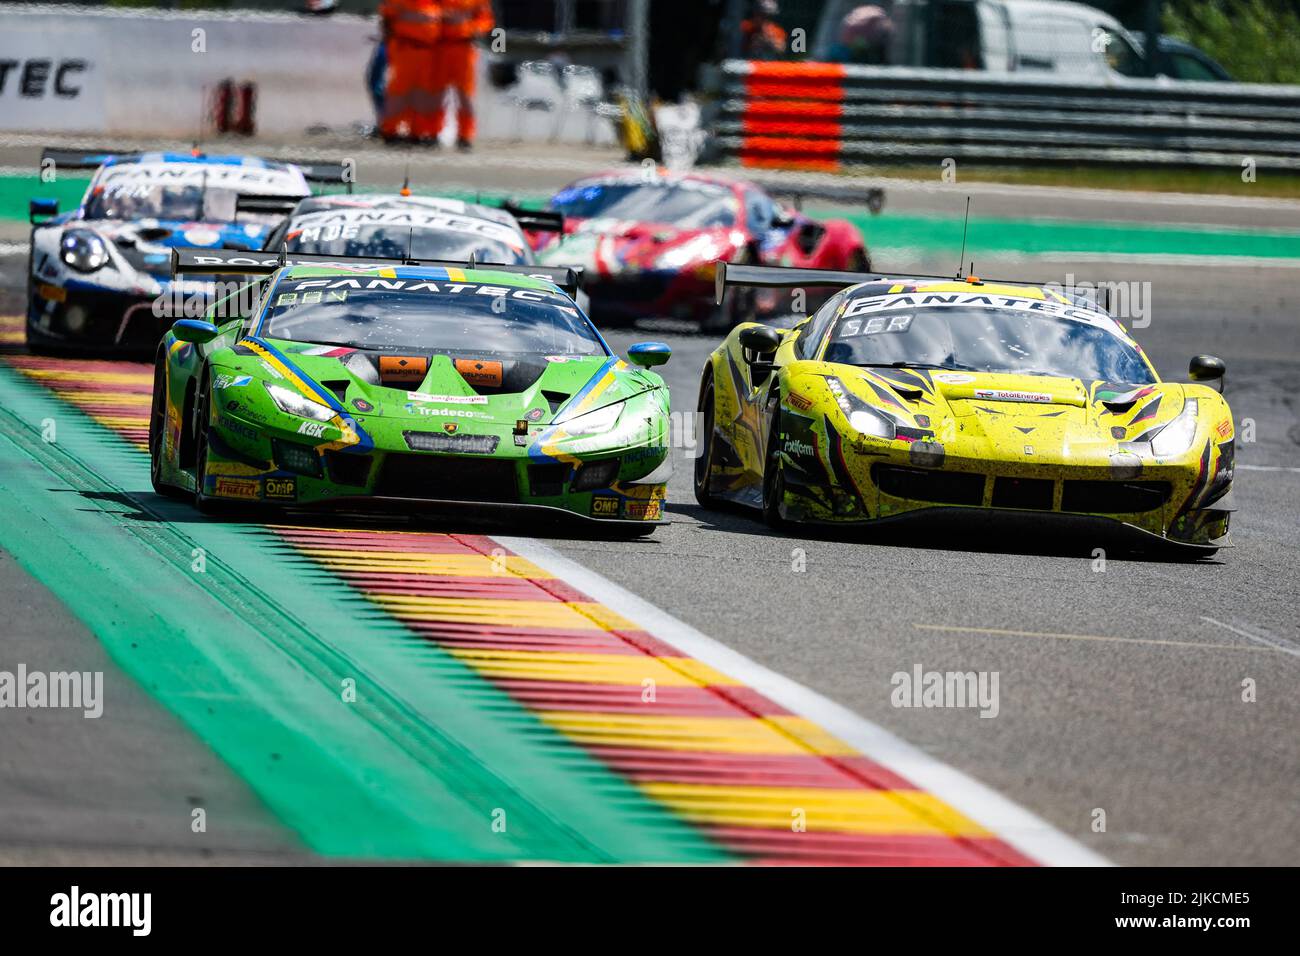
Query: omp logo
{"points": [[604, 505], [75, 909], [35, 79], [282, 488]]}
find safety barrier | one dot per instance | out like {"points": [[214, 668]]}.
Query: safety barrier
{"points": [[824, 116]]}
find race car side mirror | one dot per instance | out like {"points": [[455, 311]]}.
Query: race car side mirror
{"points": [[195, 331], [1207, 368], [42, 209], [760, 339], [760, 344], [647, 354]]}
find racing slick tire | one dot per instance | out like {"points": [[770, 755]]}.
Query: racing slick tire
{"points": [[704, 463], [157, 427], [202, 414], [38, 344], [773, 477]]}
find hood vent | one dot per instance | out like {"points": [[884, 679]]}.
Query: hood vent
{"points": [[361, 366], [554, 399], [338, 386]]}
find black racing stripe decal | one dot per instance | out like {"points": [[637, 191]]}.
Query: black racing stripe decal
{"points": [[885, 395], [908, 433], [916, 381], [1222, 478], [1147, 411], [842, 474], [1202, 478]]}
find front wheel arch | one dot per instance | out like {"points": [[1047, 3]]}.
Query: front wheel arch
{"points": [[773, 475], [703, 475]]}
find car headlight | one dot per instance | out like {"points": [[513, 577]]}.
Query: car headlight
{"points": [[862, 417], [593, 423], [699, 249], [870, 422], [292, 403], [1176, 437], [83, 251]]}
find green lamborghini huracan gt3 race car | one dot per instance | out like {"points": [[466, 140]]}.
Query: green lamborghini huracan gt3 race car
{"points": [[905, 395], [406, 386]]}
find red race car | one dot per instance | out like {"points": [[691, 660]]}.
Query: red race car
{"points": [[647, 239]]}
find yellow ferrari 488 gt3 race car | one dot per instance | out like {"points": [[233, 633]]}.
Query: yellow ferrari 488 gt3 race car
{"points": [[903, 395]]}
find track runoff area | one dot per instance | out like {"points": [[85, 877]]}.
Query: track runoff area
{"points": [[379, 692]]}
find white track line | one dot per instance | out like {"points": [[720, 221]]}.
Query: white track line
{"points": [[1028, 833], [1267, 468], [1276, 643]]}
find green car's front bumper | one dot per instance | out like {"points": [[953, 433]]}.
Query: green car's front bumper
{"points": [[258, 462]]}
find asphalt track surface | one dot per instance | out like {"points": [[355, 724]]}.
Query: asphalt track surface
{"points": [[1120, 689]]}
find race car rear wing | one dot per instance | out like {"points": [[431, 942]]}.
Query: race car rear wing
{"points": [[727, 276], [334, 174], [535, 220], [189, 260], [873, 197], [269, 205], [82, 158]]}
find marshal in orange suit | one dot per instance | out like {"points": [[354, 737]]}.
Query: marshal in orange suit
{"points": [[413, 101], [463, 22]]}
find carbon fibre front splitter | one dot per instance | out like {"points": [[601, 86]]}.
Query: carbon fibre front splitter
{"points": [[487, 512], [996, 521]]}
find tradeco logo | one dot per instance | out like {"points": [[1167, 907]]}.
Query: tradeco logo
{"points": [[42, 77]]}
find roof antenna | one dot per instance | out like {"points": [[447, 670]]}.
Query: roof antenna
{"points": [[284, 252], [406, 181], [203, 192], [410, 242], [964, 225], [473, 260]]}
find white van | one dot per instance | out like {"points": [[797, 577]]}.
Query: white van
{"points": [[996, 36]]}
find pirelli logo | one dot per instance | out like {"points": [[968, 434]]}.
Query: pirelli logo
{"points": [[651, 510], [245, 489]]}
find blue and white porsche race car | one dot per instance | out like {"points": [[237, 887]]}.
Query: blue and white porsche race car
{"points": [[99, 275]]}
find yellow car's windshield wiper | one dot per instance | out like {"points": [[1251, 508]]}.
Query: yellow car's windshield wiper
{"points": [[927, 365]]}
